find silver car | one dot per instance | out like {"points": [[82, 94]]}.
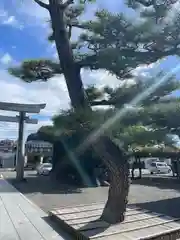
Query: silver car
{"points": [[44, 169], [159, 167]]}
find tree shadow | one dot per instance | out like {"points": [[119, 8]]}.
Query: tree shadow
{"points": [[159, 182], [169, 207], [63, 232], [93, 225], [44, 185], [56, 228]]}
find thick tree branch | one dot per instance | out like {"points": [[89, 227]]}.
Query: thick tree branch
{"points": [[42, 4], [92, 60]]}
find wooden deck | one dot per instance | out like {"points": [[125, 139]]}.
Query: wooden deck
{"points": [[83, 223], [20, 219]]}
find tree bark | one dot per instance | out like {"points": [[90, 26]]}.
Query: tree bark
{"points": [[116, 161], [70, 69], [112, 157]]}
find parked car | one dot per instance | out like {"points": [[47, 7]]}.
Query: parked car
{"points": [[44, 169], [159, 167]]}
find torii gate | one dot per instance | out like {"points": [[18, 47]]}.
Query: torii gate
{"points": [[21, 118]]}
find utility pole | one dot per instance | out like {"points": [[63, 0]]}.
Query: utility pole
{"points": [[20, 158]]}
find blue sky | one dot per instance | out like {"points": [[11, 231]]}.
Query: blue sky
{"points": [[24, 30]]}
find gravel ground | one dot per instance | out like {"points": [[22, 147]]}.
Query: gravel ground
{"points": [[160, 197]]}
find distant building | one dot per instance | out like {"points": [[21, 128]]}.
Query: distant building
{"points": [[37, 149], [7, 145]]}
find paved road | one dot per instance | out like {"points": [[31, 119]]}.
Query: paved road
{"points": [[163, 197]]}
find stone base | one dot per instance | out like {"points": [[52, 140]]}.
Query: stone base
{"points": [[83, 222]]}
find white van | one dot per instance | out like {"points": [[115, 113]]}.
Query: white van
{"points": [[159, 167]]}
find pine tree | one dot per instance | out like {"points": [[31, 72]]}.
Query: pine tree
{"points": [[112, 43]]}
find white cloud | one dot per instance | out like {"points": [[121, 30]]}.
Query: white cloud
{"points": [[173, 12], [100, 78], [10, 20], [37, 12], [13, 90], [6, 19], [6, 59], [10, 130], [53, 93], [144, 70], [32, 11]]}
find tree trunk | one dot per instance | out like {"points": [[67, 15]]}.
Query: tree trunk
{"points": [[117, 163], [115, 208], [70, 69], [110, 154]]}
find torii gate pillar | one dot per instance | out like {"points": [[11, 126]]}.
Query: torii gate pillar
{"points": [[19, 154]]}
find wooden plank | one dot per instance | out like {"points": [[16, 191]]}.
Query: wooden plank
{"points": [[7, 230], [96, 213], [135, 235], [115, 237], [34, 217], [24, 228], [100, 223], [84, 208], [174, 224], [149, 233], [92, 225], [83, 205], [5, 187], [93, 213], [122, 228], [33, 213], [138, 225], [66, 217], [146, 232], [129, 218], [79, 208]]}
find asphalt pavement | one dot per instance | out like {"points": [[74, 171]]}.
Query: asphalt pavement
{"points": [[156, 196]]}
